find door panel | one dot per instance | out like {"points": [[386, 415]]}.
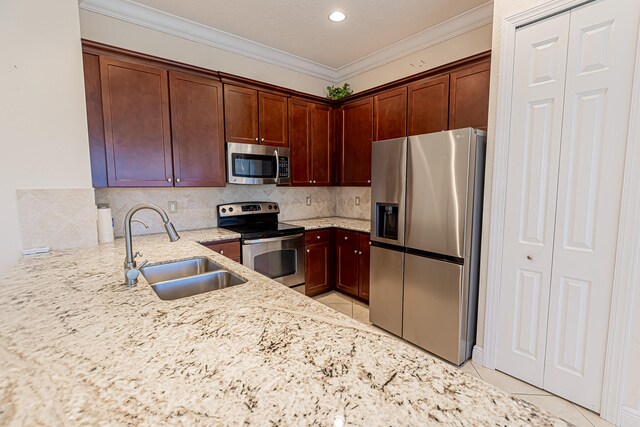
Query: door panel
{"points": [[136, 124], [469, 97], [364, 265], [536, 124], [432, 305], [317, 273], [428, 105], [390, 114], [385, 298], [273, 120], [197, 125], [321, 144], [601, 60], [437, 184], [347, 279], [241, 114], [357, 136], [300, 129]]}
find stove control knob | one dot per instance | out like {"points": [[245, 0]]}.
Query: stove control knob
{"points": [[223, 210], [275, 206], [230, 209], [270, 207]]}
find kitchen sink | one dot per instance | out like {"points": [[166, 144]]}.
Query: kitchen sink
{"points": [[178, 269], [180, 279]]}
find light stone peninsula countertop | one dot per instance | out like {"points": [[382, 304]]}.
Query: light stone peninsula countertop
{"points": [[79, 348], [361, 225]]}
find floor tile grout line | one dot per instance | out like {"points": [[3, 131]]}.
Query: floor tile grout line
{"points": [[583, 415]]}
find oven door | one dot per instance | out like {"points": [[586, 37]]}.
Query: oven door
{"points": [[257, 164], [279, 258]]}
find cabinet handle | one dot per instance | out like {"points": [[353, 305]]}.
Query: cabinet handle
{"points": [[221, 251], [256, 139], [355, 251], [346, 238], [314, 181], [368, 181], [310, 182], [178, 180], [169, 179], [262, 140], [318, 237], [359, 252], [307, 250]]}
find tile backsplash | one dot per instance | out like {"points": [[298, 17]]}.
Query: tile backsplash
{"points": [[346, 202], [58, 219], [197, 206]]}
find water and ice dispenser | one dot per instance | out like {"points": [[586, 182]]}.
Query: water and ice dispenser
{"points": [[387, 220]]}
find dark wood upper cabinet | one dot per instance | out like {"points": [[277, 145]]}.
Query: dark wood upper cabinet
{"points": [[197, 127], [95, 119], [321, 147], [300, 141], [135, 101], [390, 114], [241, 114], [428, 109], [310, 141], [356, 140], [347, 278], [364, 255], [469, 97], [273, 128]]}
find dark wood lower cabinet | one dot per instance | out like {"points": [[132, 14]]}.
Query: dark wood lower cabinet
{"points": [[347, 277], [364, 254], [228, 248], [319, 262]]}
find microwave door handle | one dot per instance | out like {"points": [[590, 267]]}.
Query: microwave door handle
{"points": [[275, 153]]}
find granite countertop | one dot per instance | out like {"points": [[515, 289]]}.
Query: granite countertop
{"points": [[78, 347], [361, 225]]}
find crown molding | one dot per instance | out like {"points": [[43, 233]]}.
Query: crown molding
{"points": [[138, 14]]}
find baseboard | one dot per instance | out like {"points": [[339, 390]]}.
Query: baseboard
{"points": [[629, 417], [478, 355]]}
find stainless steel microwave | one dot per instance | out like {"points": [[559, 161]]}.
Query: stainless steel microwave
{"points": [[257, 164]]}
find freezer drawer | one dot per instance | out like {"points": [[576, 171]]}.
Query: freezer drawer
{"points": [[385, 293], [435, 307]]}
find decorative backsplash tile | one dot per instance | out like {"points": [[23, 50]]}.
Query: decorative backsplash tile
{"points": [[58, 219], [197, 206], [346, 202]]}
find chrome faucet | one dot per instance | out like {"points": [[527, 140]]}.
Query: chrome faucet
{"points": [[131, 271]]}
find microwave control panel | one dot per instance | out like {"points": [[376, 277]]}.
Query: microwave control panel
{"points": [[283, 167]]}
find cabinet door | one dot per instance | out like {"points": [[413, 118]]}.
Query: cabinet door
{"points": [[347, 278], [95, 119], [197, 127], [318, 272], [241, 114], [357, 137], [300, 130], [428, 109], [273, 120], [390, 114], [321, 144], [469, 97], [364, 255], [135, 106], [229, 248]]}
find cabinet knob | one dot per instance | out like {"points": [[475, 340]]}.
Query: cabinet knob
{"points": [[169, 179], [368, 181], [178, 180], [310, 182], [346, 238], [262, 140], [359, 252], [307, 250], [355, 251], [314, 181], [221, 251], [318, 237], [256, 139]]}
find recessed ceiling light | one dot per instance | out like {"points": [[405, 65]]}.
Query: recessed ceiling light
{"points": [[337, 16]]}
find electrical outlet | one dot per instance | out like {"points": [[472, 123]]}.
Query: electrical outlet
{"points": [[308, 200], [173, 207], [357, 201]]}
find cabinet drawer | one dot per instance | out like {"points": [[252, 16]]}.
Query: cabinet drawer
{"points": [[347, 237], [228, 248], [317, 236]]}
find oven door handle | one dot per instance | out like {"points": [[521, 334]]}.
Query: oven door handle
{"points": [[273, 239]]}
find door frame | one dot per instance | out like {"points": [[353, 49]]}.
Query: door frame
{"points": [[627, 265]]}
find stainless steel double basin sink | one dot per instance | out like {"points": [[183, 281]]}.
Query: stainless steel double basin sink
{"points": [[185, 278]]}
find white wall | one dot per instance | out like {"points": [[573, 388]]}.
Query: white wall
{"points": [[462, 46], [119, 33], [43, 126]]}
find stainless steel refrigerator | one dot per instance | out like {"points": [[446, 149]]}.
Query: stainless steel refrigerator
{"points": [[426, 215]]}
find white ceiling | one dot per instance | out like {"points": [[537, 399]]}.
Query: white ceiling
{"points": [[297, 34], [302, 27]]}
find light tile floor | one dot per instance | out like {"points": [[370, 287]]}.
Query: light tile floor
{"points": [[557, 406]]}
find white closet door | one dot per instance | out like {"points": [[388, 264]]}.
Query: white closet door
{"points": [[534, 152], [602, 45]]}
